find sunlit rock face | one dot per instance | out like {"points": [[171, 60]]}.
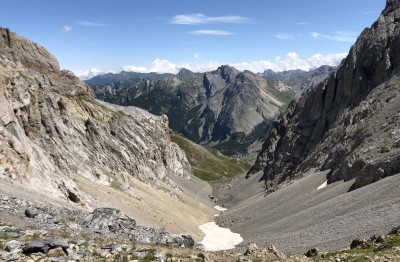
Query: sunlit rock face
{"points": [[53, 130]]}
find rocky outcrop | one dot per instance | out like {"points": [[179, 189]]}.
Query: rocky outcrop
{"points": [[349, 122], [313, 78], [52, 130]]}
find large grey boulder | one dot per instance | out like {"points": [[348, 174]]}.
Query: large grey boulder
{"points": [[109, 221]]}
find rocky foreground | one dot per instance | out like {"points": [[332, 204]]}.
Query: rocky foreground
{"points": [[31, 231]]}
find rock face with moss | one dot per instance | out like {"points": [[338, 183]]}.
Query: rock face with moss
{"points": [[350, 122], [52, 130]]}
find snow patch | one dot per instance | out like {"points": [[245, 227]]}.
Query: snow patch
{"points": [[218, 238], [220, 208], [323, 185]]}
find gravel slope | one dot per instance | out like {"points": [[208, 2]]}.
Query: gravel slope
{"points": [[299, 217]]}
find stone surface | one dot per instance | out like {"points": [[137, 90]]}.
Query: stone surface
{"points": [[56, 252], [31, 213], [51, 127], [109, 221], [313, 252], [12, 245]]}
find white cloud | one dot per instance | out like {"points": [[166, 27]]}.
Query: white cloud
{"points": [[163, 66], [291, 61], [284, 36], [66, 28], [89, 24], [210, 32], [198, 19], [301, 23], [87, 74], [196, 55], [131, 68], [341, 36]]}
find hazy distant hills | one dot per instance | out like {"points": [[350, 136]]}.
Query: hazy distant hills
{"points": [[224, 108]]}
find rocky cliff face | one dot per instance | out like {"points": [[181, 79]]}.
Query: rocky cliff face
{"points": [[350, 122], [53, 130]]}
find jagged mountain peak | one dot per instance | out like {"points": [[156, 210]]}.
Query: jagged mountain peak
{"points": [[227, 72], [185, 73]]}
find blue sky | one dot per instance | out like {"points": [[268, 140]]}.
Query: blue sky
{"points": [[94, 36]]}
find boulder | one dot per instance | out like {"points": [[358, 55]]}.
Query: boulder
{"points": [[56, 252], [313, 252], [109, 221], [12, 245], [31, 213], [360, 243]]}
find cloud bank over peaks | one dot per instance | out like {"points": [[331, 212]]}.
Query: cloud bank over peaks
{"points": [[291, 61]]}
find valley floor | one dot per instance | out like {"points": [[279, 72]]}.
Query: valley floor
{"points": [[300, 216]]}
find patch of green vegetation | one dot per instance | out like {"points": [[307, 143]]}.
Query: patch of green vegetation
{"points": [[121, 257], [65, 234], [359, 254], [208, 163], [150, 256], [95, 253], [393, 241], [35, 236]]}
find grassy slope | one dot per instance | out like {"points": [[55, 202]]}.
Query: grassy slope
{"points": [[208, 163]]}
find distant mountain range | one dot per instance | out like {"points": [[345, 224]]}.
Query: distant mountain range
{"points": [[225, 108]]}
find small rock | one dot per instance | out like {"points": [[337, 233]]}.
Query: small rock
{"points": [[13, 234], [31, 213], [251, 249], [109, 248], [56, 252], [203, 256], [104, 254], [272, 249], [12, 245], [13, 257], [244, 259], [141, 253], [358, 243], [54, 242], [198, 246], [313, 252], [160, 256]]}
